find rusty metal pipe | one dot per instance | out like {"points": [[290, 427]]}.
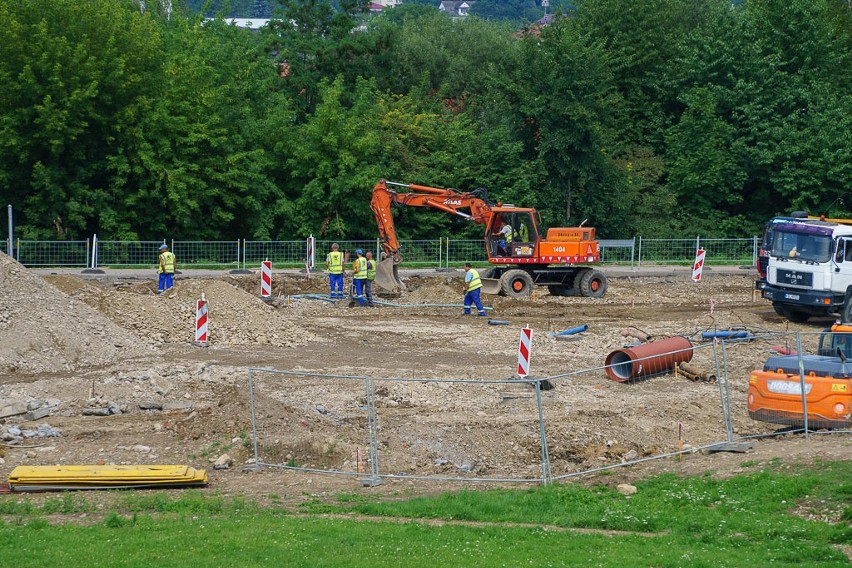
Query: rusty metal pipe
{"points": [[652, 358]]}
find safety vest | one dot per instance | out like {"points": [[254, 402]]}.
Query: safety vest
{"points": [[334, 262], [168, 259], [524, 233], [508, 234], [361, 265], [371, 269], [475, 282]]}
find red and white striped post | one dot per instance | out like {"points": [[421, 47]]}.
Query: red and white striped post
{"points": [[265, 279], [201, 322], [698, 267], [524, 348]]}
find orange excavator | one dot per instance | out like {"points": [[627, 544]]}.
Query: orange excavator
{"points": [[775, 392], [521, 258]]}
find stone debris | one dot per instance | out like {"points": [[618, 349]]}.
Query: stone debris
{"points": [[16, 434]]}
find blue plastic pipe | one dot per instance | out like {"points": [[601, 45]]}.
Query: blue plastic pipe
{"points": [[725, 334], [573, 330]]}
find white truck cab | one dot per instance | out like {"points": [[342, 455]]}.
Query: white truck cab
{"points": [[810, 270]]}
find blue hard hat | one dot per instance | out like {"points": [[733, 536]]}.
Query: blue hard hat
{"points": [[164, 246], [359, 251]]}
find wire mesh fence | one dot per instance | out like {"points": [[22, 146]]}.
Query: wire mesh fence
{"points": [[715, 393], [207, 254], [440, 253], [119, 254], [53, 253]]}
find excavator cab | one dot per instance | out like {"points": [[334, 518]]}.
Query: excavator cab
{"points": [[512, 233], [836, 342]]}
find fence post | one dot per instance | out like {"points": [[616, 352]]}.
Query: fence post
{"points": [[730, 445], [546, 475], [639, 265], [754, 250], [11, 232], [374, 478], [253, 420], [441, 252], [632, 252], [378, 256], [91, 263], [697, 243], [802, 381]]}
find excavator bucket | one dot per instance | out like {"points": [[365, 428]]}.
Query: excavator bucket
{"points": [[387, 276], [491, 286]]}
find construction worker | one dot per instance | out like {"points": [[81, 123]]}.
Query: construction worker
{"points": [[334, 265], [506, 241], [523, 233], [472, 290], [165, 270], [359, 276], [371, 275]]}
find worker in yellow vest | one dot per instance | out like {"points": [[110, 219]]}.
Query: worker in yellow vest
{"points": [[472, 290], [359, 276], [371, 275], [165, 270], [334, 265]]}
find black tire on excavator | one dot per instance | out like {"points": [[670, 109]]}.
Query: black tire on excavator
{"points": [[593, 284], [516, 284]]}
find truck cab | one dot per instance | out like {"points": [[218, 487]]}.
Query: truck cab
{"points": [[809, 272]]}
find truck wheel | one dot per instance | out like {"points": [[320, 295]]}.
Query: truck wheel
{"points": [[516, 284], [795, 316], [561, 290], [593, 284], [846, 311], [779, 309]]}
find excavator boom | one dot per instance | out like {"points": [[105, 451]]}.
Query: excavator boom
{"points": [[408, 194]]}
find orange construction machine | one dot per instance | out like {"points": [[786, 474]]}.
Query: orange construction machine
{"points": [[775, 393], [521, 255]]}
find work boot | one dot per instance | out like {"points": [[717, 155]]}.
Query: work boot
{"points": [[482, 314], [466, 314]]}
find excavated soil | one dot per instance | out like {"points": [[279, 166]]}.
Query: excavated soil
{"points": [[72, 342]]}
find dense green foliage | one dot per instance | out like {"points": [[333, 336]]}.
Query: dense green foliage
{"points": [[766, 517], [660, 118]]}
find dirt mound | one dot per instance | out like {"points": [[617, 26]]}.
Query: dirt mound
{"points": [[236, 317], [43, 330]]}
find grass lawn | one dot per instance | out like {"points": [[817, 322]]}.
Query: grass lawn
{"points": [[769, 517]]}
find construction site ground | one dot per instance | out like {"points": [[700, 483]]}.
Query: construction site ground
{"points": [[72, 342]]}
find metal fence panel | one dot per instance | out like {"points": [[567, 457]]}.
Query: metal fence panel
{"points": [[682, 251], [53, 253], [285, 408], [280, 253], [207, 254], [433, 439], [127, 253], [469, 250], [617, 251]]}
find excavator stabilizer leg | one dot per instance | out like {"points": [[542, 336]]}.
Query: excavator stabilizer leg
{"points": [[387, 276]]}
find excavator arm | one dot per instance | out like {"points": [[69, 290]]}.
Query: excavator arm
{"points": [[473, 206]]}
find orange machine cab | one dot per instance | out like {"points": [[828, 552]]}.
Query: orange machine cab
{"points": [[775, 393]]}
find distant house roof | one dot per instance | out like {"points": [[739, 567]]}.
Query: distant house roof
{"points": [[456, 8], [374, 7]]}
